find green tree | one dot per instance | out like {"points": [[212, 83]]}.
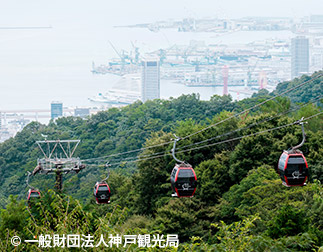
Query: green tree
{"points": [[185, 217], [14, 217], [213, 178], [289, 221]]}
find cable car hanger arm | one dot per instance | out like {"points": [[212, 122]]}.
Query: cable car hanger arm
{"points": [[107, 165], [301, 122], [174, 147], [27, 180]]}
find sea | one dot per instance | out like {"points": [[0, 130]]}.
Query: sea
{"points": [[38, 66]]}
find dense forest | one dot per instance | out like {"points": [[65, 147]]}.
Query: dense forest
{"points": [[240, 203]]}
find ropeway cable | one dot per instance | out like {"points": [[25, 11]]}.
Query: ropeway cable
{"points": [[210, 126], [255, 106], [253, 134], [254, 124], [234, 131], [217, 143], [228, 133], [128, 152]]}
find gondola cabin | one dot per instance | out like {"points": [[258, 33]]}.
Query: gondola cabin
{"points": [[293, 169], [183, 180], [33, 193], [102, 193]]}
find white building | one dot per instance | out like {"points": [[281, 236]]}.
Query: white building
{"points": [[150, 79]]}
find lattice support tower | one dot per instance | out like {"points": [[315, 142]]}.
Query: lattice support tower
{"points": [[58, 164]]}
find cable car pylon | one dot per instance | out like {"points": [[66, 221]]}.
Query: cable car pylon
{"points": [[58, 159], [292, 165], [183, 178]]}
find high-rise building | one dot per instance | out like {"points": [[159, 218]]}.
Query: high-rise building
{"points": [[300, 56], [56, 109], [225, 73], [150, 79]]}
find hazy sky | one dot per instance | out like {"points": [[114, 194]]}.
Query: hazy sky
{"points": [[37, 65], [46, 12]]}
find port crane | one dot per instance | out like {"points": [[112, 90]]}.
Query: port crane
{"points": [[137, 54], [124, 56]]}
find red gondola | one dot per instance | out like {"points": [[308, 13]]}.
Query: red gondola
{"points": [[293, 169], [102, 193], [292, 165], [183, 178], [33, 193]]}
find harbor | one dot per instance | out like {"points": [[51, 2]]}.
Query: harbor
{"points": [[245, 66], [95, 73], [198, 64]]}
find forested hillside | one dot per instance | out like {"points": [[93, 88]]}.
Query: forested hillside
{"points": [[240, 203]]}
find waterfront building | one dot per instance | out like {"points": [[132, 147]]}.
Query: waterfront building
{"points": [[300, 56], [316, 18], [82, 112], [56, 109], [150, 79]]}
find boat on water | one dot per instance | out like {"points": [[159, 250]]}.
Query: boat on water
{"points": [[124, 92], [116, 97]]}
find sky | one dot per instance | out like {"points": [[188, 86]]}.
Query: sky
{"points": [[54, 64], [45, 12]]}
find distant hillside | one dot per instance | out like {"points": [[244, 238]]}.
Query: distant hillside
{"points": [[305, 93]]}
